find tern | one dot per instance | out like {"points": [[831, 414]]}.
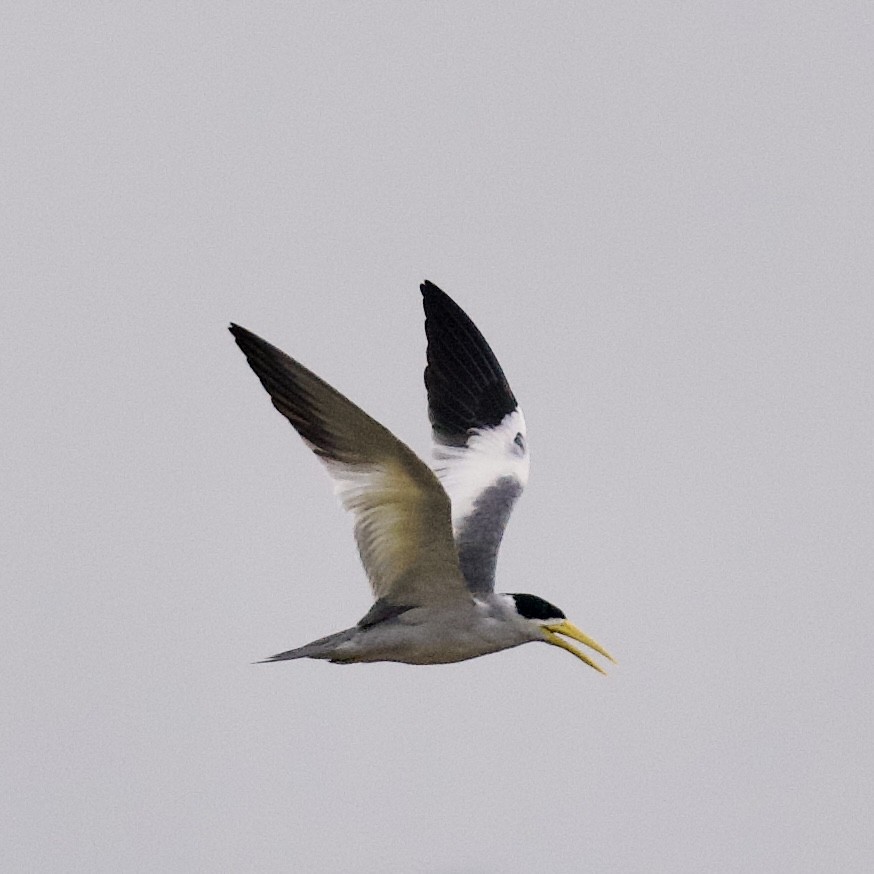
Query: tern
{"points": [[428, 539]]}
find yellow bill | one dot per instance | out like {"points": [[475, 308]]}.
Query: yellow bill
{"points": [[551, 632]]}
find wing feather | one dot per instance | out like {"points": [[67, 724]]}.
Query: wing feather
{"points": [[481, 450], [402, 513]]}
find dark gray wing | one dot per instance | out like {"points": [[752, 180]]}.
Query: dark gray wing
{"points": [[402, 513], [481, 450]]}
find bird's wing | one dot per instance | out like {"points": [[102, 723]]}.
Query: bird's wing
{"points": [[402, 513], [481, 449]]}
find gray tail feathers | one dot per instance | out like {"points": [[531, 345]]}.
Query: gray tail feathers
{"points": [[323, 648]]}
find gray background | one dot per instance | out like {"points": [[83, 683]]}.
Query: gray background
{"points": [[660, 214]]}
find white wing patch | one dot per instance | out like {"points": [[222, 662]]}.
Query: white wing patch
{"points": [[490, 455]]}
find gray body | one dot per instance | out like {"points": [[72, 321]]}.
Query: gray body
{"points": [[426, 635]]}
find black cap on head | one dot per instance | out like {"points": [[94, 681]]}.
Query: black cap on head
{"points": [[532, 607]]}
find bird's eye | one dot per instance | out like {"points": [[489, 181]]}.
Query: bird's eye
{"points": [[519, 440]]}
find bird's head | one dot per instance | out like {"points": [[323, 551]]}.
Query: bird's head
{"points": [[550, 622]]}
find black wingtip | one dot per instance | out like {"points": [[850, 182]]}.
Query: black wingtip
{"points": [[240, 334], [466, 386], [433, 293], [254, 346]]}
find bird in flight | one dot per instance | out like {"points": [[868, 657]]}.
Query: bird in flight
{"points": [[428, 539]]}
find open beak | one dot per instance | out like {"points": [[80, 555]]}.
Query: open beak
{"points": [[551, 633]]}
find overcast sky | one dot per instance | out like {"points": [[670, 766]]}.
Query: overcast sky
{"points": [[660, 216]]}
